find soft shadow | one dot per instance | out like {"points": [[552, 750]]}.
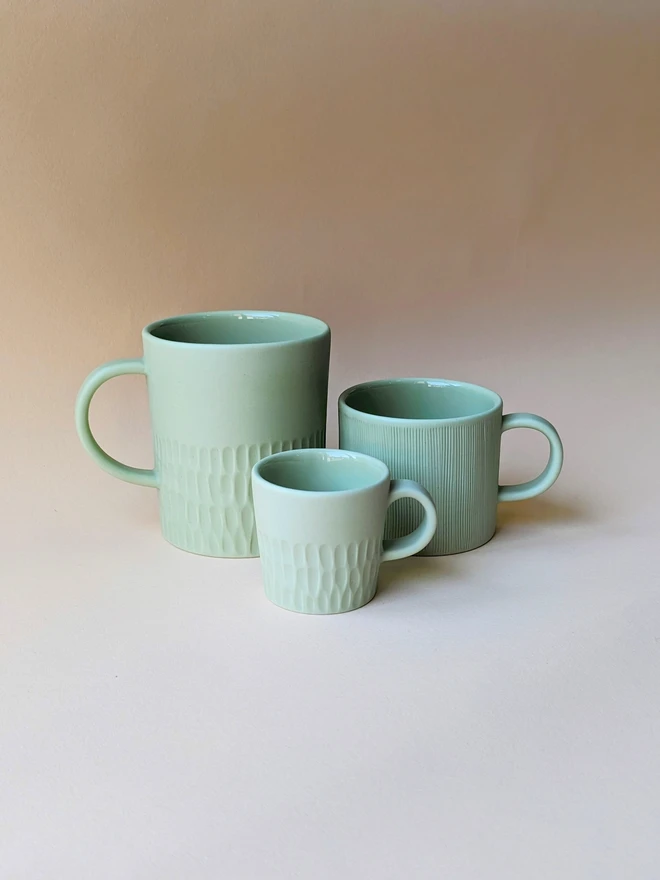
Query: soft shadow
{"points": [[522, 515], [414, 573]]}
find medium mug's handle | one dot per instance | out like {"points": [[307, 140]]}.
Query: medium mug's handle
{"points": [[398, 548], [141, 476], [542, 483]]}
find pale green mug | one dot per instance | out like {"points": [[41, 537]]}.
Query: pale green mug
{"points": [[225, 390], [320, 518], [447, 436]]}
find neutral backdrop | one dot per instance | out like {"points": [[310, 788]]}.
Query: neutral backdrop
{"points": [[461, 189]]}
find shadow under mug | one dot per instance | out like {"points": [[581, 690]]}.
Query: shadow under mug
{"points": [[225, 390], [446, 435]]}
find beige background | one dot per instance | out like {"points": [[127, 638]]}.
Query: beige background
{"points": [[460, 189]]}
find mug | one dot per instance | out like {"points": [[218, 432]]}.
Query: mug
{"points": [[225, 389], [320, 517], [447, 436]]}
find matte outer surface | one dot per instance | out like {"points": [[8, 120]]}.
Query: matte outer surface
{"points": [[321, 550], [216, 409], [456, 459]]}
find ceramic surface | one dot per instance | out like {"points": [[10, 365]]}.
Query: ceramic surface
{"points": [[320, 518], [225, 390], [446, 435]]}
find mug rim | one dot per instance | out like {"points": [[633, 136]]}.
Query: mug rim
{"points": [[318, 453], [497, 403], [320, 328]]}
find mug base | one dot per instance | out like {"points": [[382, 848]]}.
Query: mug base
{"points": [[209, 554], [319, 613], [431, 552]]}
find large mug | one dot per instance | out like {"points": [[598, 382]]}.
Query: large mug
{"points": [[445, 435], [225, 390]]}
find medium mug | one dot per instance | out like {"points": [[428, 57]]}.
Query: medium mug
{"points": [[320, 519], [225, 389], [447, 436]]}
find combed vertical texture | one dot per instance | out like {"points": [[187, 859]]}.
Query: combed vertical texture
{"points": [[206, 494], [458, 462]]}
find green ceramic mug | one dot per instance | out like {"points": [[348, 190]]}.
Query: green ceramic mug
{"points": [[320, 518], [225, 389], [446, 435]]}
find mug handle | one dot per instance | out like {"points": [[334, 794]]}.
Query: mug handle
{"points": [[140, 476], [398, 548], [542, 483]]}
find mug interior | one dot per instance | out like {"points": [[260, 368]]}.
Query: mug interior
{"points": [[237, 328], [314, 470], [422, 399]]}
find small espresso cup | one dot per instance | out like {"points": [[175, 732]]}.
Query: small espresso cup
{"points": [[445, 435], [320, 516], [225, 389]]}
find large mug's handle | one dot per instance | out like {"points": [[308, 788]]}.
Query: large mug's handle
{"points": [[398, 548], [542, 483], [141, 476]]}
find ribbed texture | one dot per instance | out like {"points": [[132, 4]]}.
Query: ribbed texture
{"points": [[206, 495], [320, 579], [458, 463]]}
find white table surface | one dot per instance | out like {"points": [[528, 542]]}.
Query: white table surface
{"points": [[493, 714]]}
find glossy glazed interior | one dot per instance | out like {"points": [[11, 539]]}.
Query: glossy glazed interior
{"points": [[321, 471], [422, 399], [237, 328]]}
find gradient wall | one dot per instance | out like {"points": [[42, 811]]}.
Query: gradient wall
{"points": [[460, 189]]}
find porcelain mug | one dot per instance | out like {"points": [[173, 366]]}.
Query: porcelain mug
{"points": [[225, 389], [320, 518], [446, 435]]}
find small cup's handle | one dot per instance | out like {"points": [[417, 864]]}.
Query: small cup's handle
{"points": [[141, 476], [410, 544], [542, 483]]}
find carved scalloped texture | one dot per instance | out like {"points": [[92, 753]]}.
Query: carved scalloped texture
{"points": [[320, 579], [206, 494], [457, 462]]}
